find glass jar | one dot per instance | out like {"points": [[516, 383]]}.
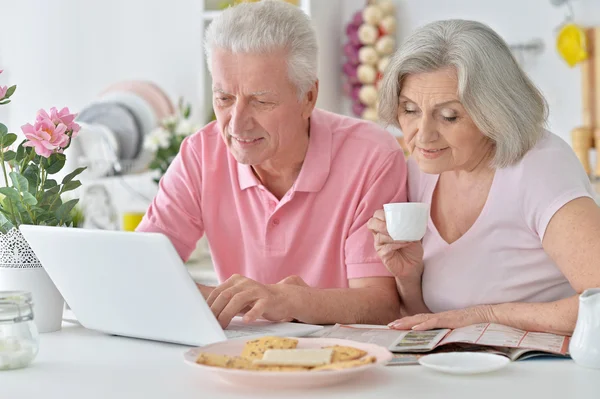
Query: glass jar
{"points": [[18, 334]]}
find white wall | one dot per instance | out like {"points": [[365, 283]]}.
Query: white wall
{"points": [[63, 52], [517, 21]]}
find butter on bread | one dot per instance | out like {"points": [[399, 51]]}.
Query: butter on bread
{"points": [[295, 357]]}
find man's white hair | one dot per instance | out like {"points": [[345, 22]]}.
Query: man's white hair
{"points": [[265, 27], [503, 102]]}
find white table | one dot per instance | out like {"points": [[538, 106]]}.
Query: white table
{"points": [[78, 363]]}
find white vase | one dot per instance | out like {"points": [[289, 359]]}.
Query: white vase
{"points": [[20, 270], [585, 342]]}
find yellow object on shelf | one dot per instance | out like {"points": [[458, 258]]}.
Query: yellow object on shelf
{"points": [[131, 220], [571, 44]]}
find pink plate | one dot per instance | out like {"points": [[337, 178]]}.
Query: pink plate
{"points": [[286, 379]]}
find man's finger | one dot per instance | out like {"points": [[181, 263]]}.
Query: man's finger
{"points": [[223, 299], [240, 301], [233, 280], [257, 311], [218, 290]]}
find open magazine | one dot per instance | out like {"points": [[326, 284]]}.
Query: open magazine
{"points": [[486, 337]]}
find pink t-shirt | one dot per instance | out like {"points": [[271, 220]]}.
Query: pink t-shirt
{"points": [[316, 231], [501, 258]]}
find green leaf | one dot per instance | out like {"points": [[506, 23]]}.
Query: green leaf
{"points": [[3, 129], [5, 224], [9, 205], [23, 214], [51, 222], [50, 183], [54, 163], [154, 164], [6, 202], [21, 152], [10, 91], [72, 185], [4, 102], [9, 155], [63, 212], [42, 215], [32, 174], [57, 203], [7, 140], [50, 195], [10, 193], [29, 199], [19, 182], [72, 175]]}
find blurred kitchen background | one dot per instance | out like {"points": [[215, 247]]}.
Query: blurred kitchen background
{"points": [[110, 59]]}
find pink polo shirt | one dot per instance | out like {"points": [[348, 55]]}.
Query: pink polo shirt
{"points": [[316, 231]]}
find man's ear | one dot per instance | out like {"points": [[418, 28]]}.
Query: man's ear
{"points": [[310, 100]]}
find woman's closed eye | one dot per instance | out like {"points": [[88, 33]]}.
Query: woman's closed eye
{"points": [[410, 109], [449, 116], [450, 119]]}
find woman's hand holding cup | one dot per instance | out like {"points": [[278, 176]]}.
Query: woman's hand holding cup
{"points": [[397, 232]]}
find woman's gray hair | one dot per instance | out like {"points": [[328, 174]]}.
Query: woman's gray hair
{"points": [[264, 27], [502, 101]]}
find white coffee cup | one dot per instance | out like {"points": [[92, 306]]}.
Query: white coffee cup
{"points": [[406, 221]]}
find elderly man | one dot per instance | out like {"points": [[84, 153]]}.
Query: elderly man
{"points": [[282, 190]]}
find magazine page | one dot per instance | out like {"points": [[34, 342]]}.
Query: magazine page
{"points": [[394, 340], [418, 341], [372, 334], [489, 334]]}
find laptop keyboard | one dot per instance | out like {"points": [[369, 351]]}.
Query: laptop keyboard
{"points": [[238, 332]]}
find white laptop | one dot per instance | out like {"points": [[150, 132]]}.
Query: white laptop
{"points": [[136, 285]]}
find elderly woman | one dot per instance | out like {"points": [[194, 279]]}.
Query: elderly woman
{"points": [[514, 232]]}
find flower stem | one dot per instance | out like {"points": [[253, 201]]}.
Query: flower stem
{"points": [[42, 179], [26, 161], [28, 209], [57, 197], [12, 210]]}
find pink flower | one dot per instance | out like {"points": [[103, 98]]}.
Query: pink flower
{"points": [[45, 136], [63, 116], [3, 90], [1, 70]]}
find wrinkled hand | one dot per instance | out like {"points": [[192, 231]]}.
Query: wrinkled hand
{"points": [[243, 295], [450, 319], [402, 259]]}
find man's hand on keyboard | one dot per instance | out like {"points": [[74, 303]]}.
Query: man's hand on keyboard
{"points": [[205, 290], [243, 295]]}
